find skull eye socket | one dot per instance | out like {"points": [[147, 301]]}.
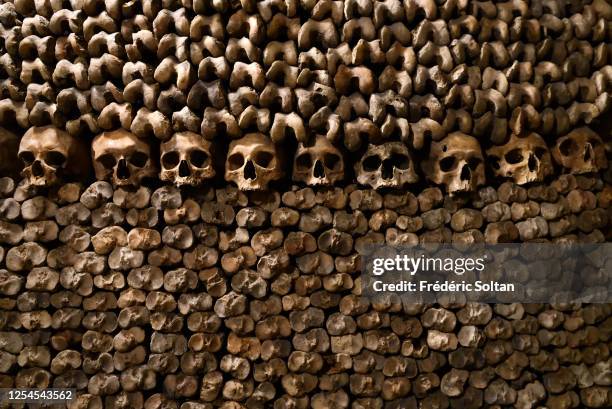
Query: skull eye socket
{"points": [[594, 142], [26, 157], [448, 164], [108, 161], [567, 146], [539, 152], [303, 161], [514, 156], [263, 159], [493, 161], [400, 161], [331, 161], [170, 159], [235, 161], [55, 159], [371, 163], [473, 163], [139, 159], [198, 158]]}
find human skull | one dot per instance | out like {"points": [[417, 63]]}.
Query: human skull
{"points": [[253, 162], [186, 159], [9, 148], [49, 155], [318, 164], [386, 165], [525, 159], [581, 151], [123, 158], [456, 162]]}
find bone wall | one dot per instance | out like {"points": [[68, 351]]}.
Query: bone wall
{"points": [[221, 298], [185, 187]]}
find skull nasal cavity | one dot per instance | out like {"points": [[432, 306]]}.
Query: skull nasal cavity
{"points": [[37, 169], [319, 171], [249, 171], [466, 173], [387, 169], [532, 162], [122, 170], [588, 152], [184, 169]]}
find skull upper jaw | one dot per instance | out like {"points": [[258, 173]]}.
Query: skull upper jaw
{"points": [[40, 175], [385, 184], [123, 182], [251, 186], [48, 179], [376, 181], [534, 170], [464, 187], [180, 181], [193, 178], [528, 176], [133, 182], [186, 181], [247, 184], [311, 180], [127, 177], [457, 185], [461, 186], [318, 181]]}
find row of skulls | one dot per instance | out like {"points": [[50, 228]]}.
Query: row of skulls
{"points": [[456, 162]]}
